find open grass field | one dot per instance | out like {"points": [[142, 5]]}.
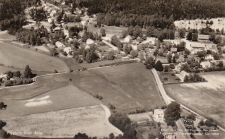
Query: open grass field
{"points": [[92, 120], [17, 57], [127, 87], [57, 99], [43, 84], [218, 23], [4, 69], [205, 98]]}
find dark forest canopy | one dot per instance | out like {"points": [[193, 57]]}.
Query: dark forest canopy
{"points": [[179, 9], [12, 16]]}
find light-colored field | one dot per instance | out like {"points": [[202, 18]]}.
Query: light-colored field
{"points": [[42, 48], [205, 98], [43, 84], [218, 23], [5, 36], [92, 120], [141, 117], [19, 58], [55, 99], [127, 87], [4, 69]]}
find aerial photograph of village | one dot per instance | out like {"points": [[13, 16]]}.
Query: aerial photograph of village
{"points": [[112, 69]]}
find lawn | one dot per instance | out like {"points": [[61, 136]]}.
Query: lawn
{"points": [[206, 98], [167, 77], [127, 87], [92, 120], [10, 55]]}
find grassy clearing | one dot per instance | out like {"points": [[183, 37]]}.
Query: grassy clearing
{"points": [[127, 87], [92, 120], [56, 99], [10, 55], [206, 98]]}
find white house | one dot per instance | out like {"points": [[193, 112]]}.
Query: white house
{"points": [[67, 50], [182, 75], [3, 76], [59, 44], [127, 39], [205, 64], [89, 41], [209, 57], [158, 115]]}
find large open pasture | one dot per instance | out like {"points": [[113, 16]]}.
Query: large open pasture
{"points": [[92, 120], [205, 98], [57, 99], [42, 85], [127, 87], [11, 55]]}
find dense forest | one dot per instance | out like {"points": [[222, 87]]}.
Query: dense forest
{"points": [[157, 13], [12, 15]]}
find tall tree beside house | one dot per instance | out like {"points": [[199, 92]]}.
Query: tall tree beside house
{"points": [[27, 73], [181, 33], [150, 63], [169, 58], [159, 66], [189, 36], [194, 36], [172, 112], [103, 32], [134, 53]]}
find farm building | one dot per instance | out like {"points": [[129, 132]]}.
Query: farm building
{"points": [[194, 47], [182, 75], [158, 115], [176, 41], [203, 37]]}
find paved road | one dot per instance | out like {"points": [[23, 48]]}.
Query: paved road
{"points": [[168, 100]]}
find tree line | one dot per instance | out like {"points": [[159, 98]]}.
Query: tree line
{"points": [[180, 9]]}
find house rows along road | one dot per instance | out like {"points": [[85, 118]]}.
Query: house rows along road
{"points": [[168, 100]]}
